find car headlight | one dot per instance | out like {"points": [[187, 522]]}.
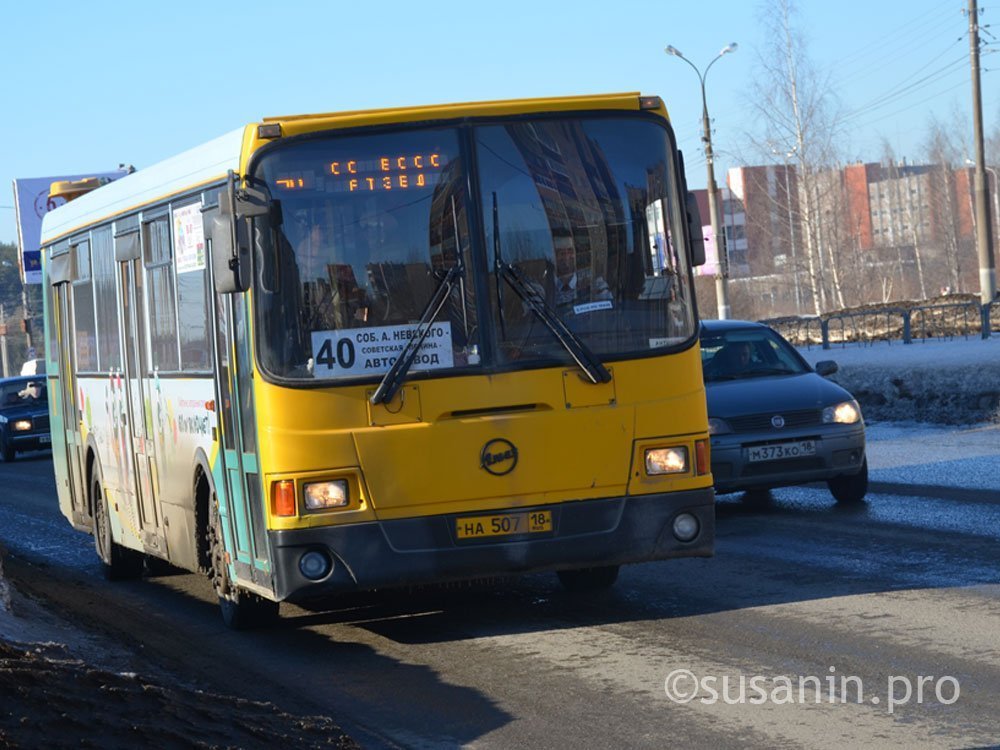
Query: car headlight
{"points": [[846, 412], [718, 426], [667, 460], [325, 495], [22, 425]]}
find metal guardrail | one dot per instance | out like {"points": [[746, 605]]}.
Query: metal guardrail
{"points": [[899, 324]]}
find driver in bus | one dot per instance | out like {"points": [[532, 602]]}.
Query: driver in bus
{"points": [[574, 285]]}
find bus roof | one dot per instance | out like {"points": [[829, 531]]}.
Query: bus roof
{"points": [[199, 166], [209, 162]]}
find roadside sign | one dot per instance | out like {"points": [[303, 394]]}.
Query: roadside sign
{"points": [[31, 203]]}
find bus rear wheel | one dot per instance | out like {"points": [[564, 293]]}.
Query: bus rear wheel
{"points": [[118, 563], [241, 610], [589, 579]]}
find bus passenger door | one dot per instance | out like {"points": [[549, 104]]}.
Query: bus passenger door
{"points": [[243, 514], [73, 438], [139, 407]]}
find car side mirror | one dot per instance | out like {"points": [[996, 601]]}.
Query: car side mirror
{"points": [[826, 367]]}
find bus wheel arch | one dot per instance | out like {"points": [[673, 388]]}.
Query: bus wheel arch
{"points": [[117, 562], [241, 609], [204, 494]]}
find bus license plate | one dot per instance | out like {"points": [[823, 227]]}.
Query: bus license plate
{"points": [[781, 450], [506, 524]]}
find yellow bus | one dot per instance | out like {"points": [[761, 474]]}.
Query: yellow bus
{"points": [[360, 350]]}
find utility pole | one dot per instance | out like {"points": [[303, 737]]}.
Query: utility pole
{"points": [[984, 230]]}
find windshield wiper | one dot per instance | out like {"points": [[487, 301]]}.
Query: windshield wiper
{"points": [[594, 369], [393, 379]]}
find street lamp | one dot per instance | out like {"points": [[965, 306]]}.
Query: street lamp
{"points": [[721, 291]]}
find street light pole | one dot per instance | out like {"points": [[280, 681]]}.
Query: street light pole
{"points": [[721, 289], [984, 234]]}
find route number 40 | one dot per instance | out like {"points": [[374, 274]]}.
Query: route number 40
{"points": [[342, 355]]}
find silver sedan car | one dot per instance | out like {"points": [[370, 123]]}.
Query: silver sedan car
{"points": [[773, 419]]}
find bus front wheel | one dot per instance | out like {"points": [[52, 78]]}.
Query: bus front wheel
{"points": [[589, 579], [241, 610], [118, 563]]}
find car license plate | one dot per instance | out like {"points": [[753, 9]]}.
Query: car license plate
{"points": [[45, 439], [506, 524], [797, 449]]}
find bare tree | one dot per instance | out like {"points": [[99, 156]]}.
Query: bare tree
{"points": [[944, 154], [798, 112], [906, 189]]}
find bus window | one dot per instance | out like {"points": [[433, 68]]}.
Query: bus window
{"points": [[578, 203], [368, 222]]}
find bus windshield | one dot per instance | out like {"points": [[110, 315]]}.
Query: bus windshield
{"points": [[583, 209]]}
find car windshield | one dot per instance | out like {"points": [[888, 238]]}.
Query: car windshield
{"points": [[22, 393], [583, 210], [748, 353]]}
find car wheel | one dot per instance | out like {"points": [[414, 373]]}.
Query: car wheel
{"points": [[7, 449], [758, 496], [850, 489], [241, 610], [589, 579], [118, 563]]}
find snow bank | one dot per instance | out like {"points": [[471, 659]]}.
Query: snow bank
{"points": [[944, 382]]}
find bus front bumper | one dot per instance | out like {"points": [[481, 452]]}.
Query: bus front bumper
{"points": [[414, 551]]}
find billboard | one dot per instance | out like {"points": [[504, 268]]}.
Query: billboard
{"points": [[31, 203]]}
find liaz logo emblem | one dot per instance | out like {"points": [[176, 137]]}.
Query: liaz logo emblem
{"points": [[498, 457], [777, 422]]}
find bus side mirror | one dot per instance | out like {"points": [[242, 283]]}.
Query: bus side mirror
{"points": [[228, 227], [695, 231], [230, 262]]}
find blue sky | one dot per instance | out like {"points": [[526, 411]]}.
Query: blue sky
{"points": [[86, 86]]}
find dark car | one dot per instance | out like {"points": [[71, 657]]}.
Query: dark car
{"points": [[24, 416], [773, 419]]}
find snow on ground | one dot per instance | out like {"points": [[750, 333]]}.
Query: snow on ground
{"points": [[939, 381], [932, 408], [946, 456]]}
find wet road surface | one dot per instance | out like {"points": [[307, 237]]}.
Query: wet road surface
{"points": [[814, 626]]}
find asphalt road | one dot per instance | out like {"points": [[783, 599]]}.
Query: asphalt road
{"points": [[814, 626]]}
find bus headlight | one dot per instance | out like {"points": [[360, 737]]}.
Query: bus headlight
{"points": [[667, 460], [325, 495], [846, 412], [22, 425]]}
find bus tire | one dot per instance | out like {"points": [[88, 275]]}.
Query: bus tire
{"points": [[852, 488], [589, 579], [241, 610], [118, 563]]}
